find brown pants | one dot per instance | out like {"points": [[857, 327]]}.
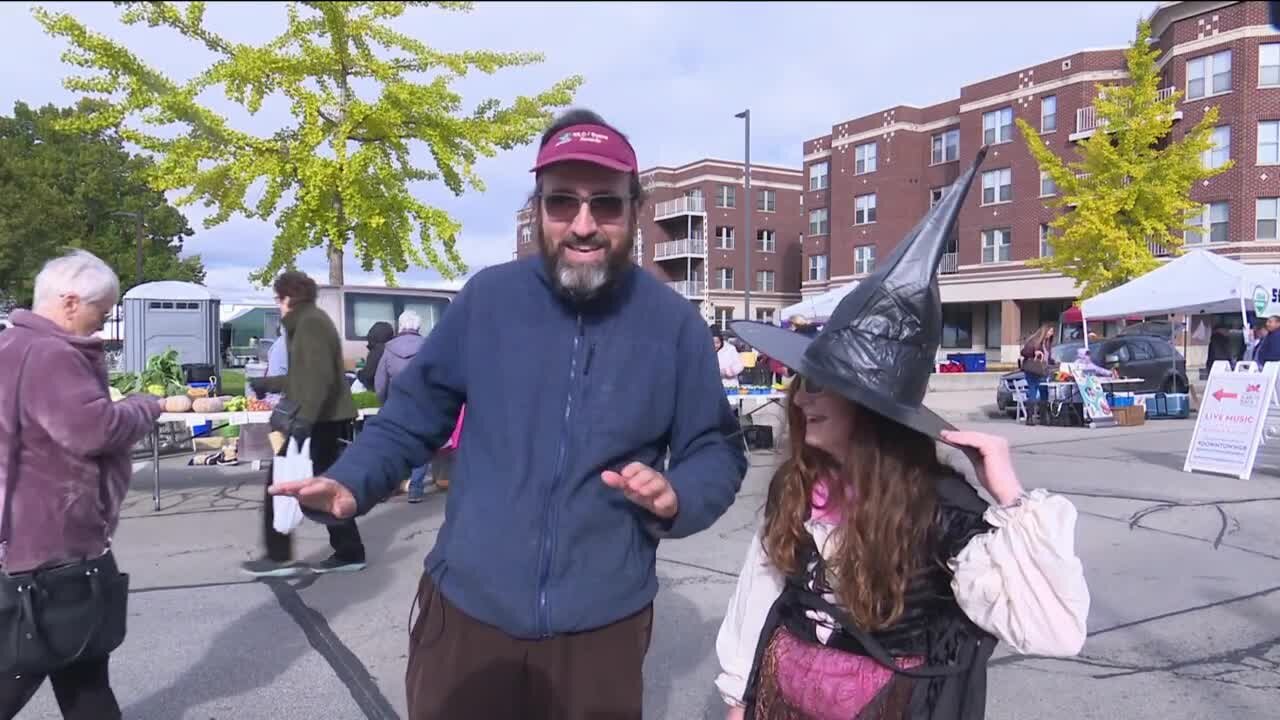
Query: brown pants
{"points": [[462, 668]]}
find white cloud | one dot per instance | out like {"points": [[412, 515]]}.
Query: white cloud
{"points": [[671, 75]]}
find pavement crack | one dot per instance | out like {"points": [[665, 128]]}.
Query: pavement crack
{"points": [[346, 665]]}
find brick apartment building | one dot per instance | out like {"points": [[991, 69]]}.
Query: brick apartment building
{"points": [[873, 177], [692, 236]]}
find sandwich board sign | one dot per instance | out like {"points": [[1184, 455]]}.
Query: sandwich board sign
{"points": [[1231, 419]]}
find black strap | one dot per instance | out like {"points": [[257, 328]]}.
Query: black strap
{"points": [[15, 448]]}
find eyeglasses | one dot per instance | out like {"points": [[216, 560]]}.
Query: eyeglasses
{"points": [[564, 207]]}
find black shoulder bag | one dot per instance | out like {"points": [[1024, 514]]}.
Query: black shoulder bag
{"points": [[53, 617]]}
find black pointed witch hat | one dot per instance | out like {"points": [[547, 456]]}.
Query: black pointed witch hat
{"points": [[878, 348]]}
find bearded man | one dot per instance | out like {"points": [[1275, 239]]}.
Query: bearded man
{"points": [[580, 373]]}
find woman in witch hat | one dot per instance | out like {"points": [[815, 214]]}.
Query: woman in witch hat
{"points": [[880, 581]]}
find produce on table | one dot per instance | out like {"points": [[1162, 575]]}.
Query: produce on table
{"points": [[162, 377], [207, 405], [177, 404], [194, 393], [259, 405], [236, 404]]}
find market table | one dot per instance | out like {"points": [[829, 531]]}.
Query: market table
{"points": [[194, 420]]}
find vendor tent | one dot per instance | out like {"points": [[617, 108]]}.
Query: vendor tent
{"points": [[818, 308], [1198, 283]]}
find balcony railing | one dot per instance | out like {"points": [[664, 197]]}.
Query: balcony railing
{"points": [[950, 264], [689, 288], [1157, 250], [1087, 119], [679, 206], [694, 247]]}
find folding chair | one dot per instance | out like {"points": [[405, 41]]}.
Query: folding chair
{"points": [[1018, 389]]}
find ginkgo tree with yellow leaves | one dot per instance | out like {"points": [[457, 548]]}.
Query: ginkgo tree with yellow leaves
{"points": [[363, 97], [1131, 187]]}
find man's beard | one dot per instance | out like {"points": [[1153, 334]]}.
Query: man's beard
{"points": [[584, 282]]}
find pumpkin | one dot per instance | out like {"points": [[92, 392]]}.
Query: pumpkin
{"points": [[177, 404], [207, 405]]}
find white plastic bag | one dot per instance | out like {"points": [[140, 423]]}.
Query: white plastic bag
{"points": [[295, 465]]}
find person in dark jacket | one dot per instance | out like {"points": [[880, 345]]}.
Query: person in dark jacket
{"points": [[580, 372], [395, 358], [1220, 348], [316, 381], [380, 333], [1269, 348]]}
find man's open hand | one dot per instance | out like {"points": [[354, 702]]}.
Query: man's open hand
{"points": [[320, 494], [645, 487]]}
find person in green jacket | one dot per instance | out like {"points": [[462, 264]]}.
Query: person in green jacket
{"points": [[316, 381]]}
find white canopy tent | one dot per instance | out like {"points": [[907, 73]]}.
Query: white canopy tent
{"points": [[817, 308], [1197, 283]]}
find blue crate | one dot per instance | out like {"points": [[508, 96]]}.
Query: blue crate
{"points": [[971, 362], [1166, 406]]}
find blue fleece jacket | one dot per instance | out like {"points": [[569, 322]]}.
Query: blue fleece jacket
{"points": [[533, 541]]}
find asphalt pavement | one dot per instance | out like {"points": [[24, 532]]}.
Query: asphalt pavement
{"points": [[1184, 574]]}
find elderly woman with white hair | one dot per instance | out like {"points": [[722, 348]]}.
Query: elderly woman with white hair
{"points": [[65, 471], [396, 356]]}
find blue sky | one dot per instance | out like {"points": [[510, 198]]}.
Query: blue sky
{"points": [[671, 75]]}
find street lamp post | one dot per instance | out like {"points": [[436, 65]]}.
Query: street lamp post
{"points": [[745, 115], [137, 217]]}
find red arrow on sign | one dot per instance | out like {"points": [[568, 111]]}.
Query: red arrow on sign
{"points": [[1220, 394]]}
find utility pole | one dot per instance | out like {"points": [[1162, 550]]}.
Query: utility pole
{"points": [[748, 207]]}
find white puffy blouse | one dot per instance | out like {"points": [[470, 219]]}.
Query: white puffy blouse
{"points": [[1021, 582]]}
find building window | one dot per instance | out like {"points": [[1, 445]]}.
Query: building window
{"points": [[727, 197], [995, 245], [724, 315], [957, 327], [764, 315], [526, 234], [864, 259], [864, 158], [818, 175], [1269, 142], [997, 186], [724, 278], [1268, 212], [1218, 155], [1269, 65], [935, 196], [1209, 75], [946, 147], [1047, 185], [765, 281], [864, 209], [1046, 249], [818, 224], [1211, 224], [767, 201], [724, 237], [767, 240], [817, 268], [997, 126], [1049, 114]]}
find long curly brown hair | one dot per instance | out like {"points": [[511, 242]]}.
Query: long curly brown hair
{"points": [[888, 500]]}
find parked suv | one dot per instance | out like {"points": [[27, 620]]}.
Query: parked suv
{"points": [[1152, 359]]}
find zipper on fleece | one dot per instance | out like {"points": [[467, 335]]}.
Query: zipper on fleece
{"points": [[549, 527]]}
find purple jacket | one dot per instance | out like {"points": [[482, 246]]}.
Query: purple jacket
{"points": [[74, 461], [395, 357]]}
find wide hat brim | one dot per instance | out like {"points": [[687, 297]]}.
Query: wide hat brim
{"points": [[789, 347]]}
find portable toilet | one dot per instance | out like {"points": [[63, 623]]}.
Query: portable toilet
{"points": [[169, 315]]}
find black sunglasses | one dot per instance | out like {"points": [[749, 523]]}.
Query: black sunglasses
{"points": [[564, 207]]}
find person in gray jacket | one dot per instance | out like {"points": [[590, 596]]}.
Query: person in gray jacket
{"points": [[395, 357]]}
